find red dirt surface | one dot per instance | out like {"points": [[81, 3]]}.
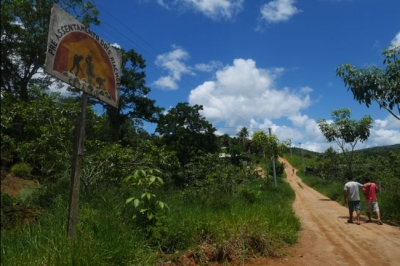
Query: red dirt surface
{"points": [[12, 185], [327, 239]]}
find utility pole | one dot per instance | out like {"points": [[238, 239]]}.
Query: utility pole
{"points": [[273, 161], [299, 147], [302, 158], [302, 162]]}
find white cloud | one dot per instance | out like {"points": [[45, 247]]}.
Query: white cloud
{"points": [[245, 94], [210, 66], [390, 122], [306, 90], [278, 11], [384, 132], [173, 64], [396, 40], [214, 9], [166, 82], [162, 3], [116, 45]]}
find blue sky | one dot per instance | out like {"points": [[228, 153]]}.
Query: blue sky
{"points": [[258, 64]]}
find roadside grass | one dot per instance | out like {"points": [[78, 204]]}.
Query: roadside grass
{"points": [[389, 208], [269, 218], [248, 224], [102, 239], [333, 189]]}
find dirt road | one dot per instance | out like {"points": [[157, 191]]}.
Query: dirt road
{"points": [[326, 237]]}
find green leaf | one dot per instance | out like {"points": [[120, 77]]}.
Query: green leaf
{"points": [[136, 203], [129, 200], [142, 172], [126, 179]]}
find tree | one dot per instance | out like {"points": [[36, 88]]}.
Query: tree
{"points": [[344, 131], [285, 145], [186, 132], [376, 84], [243, 134], [224, 141], [269, 145], [260, 139], [328, 163], [24, 31], [133, 102], [38, 132]]}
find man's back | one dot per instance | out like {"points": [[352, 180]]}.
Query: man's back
{"points": [[352, 189], [370, 191]]}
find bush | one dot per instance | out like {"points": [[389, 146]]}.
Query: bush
{"points": [[6, 203], [22, 170], [251, 195]]}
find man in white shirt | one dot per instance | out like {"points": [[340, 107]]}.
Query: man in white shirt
{"points": [[352, 198]]}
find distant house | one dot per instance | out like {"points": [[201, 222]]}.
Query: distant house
{"points": [[224, 155]]}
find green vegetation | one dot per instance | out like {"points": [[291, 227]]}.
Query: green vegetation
{"points": [[146, 199], [326, 173], [21, 169], [346, 132], [249, 219]]}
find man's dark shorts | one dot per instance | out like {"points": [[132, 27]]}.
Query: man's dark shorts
{"points": [[354, 205]]}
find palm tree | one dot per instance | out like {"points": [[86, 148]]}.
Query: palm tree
{"points": [[242, 135]]}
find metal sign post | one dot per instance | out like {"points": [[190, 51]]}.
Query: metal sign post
{"points": [[79, 57], [77, 157]]}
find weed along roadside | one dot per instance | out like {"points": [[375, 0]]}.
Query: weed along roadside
{"points": [[230, 218], [217, 221], [234, 215]]}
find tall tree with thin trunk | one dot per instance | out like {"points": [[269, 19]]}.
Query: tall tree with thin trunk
{"points": [[346, 132], [243, 134]]}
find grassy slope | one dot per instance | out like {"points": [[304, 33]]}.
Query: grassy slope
{"points": [[257, 221]]}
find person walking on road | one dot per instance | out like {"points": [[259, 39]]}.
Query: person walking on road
{"points": [[352, 198], [370, 189]]}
